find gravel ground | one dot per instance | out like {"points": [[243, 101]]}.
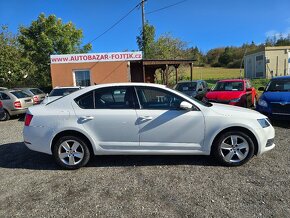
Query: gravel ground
{"points": [[31, 185]]}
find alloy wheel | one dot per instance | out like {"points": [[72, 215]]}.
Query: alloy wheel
{"points": [[234, 149], [71, 152]]}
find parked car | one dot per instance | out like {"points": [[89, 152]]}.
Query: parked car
{"points": [[1, 111], [37, 94], [275, 100], [143, 119], [238, 92], [15, 102], [195, 89], [59, 92], [3, 88]]}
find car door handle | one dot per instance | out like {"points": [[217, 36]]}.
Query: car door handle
{"points": [[87, 118], [143, 118]]}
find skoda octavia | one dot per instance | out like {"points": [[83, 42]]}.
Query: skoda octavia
{"points": [[143, 119]]}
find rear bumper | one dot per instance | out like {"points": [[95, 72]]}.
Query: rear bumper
{"points": [[17, 111]]}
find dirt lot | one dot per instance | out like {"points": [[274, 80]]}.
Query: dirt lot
{"points": [[142, 186]]}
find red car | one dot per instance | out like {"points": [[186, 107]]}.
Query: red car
{"points": [[237, 92]]}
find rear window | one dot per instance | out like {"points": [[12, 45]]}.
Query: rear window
{"points": [[190, 86], [63, 91], [36, 91], [19, 94]]}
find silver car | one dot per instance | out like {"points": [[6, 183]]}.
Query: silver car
{"points": [[37, 94], [15, 102]]}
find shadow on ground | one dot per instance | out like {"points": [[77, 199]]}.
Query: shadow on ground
{"points": [[281, 123], [17, 156]]}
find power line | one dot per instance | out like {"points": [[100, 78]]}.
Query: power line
{"points": [[115, 24], [168, 6]]}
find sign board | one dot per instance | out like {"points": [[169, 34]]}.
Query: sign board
{"points": [[95, 57]]}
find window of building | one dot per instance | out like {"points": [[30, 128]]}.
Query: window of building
{"points": [[82, 78]]}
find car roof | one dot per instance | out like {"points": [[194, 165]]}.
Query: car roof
{"points": [[280, 77], [188, 81], [232, 80], [67, 87]]}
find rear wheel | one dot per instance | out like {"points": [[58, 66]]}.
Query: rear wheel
{"points": [[233, 148], [71, 152], [6, 116]]}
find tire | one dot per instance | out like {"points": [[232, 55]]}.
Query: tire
{"points": [[71, 152], [6, 116], [233, 148]]}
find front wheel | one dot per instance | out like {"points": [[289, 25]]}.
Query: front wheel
{"points": [[71, 152], [233, 148]]}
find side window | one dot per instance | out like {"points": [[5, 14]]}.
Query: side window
{"points": [[86, 101], [154, 98], [114, 98], [4, 96]]}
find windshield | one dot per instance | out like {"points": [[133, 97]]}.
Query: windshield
{"points": [[188, 86], [229, 86], [62, 91], [278, 86]]}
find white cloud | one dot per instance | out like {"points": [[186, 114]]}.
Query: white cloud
{"points": [[277, 34]]}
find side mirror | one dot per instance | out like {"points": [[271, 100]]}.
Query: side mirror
{"points": [[199, 90], [249, 89], [185, 105], [261, 89]]}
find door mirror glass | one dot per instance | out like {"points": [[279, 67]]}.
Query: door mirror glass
{"points": [[249, 89], [185, 105]]}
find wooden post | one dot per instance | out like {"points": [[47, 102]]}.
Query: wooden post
{"points": [[144, 76], [176, 73], [191, 65], [166, 75]]}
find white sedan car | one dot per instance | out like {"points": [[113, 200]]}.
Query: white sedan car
{"points": [[139, 119]]}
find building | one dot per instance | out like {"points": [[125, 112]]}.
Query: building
{"points": [[267, 62], [97, 68]]}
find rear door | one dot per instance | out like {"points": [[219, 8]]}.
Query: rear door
{"points": [[164, 126], [109, 116]]}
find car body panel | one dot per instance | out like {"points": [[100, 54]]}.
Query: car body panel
{"points": [[245, 96], [278, 102], [8, 98], [198, 92], [167, 132]]}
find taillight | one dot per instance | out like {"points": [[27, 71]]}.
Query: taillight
{"points": [[17, 104], [1, 105], [35, 99], [28, 118]]}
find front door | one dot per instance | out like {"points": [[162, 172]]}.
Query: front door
{"points": [[164, 126]]}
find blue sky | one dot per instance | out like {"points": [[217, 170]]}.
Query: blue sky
{"points": [[206, 24]]}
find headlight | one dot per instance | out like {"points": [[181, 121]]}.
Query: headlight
{"points": [[235, 100], [262, 103], [264, 122]]}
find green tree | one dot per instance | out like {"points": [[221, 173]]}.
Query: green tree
{"points": [[47, 36], [146, 44], [13, 66]]}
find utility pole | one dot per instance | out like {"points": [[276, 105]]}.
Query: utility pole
{"points": [[143, 27]]}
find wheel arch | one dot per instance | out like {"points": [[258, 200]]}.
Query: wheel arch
{"points": [[72, 133], [237, 128]]}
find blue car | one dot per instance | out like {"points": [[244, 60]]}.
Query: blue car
{"points": [[275, 100]]}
